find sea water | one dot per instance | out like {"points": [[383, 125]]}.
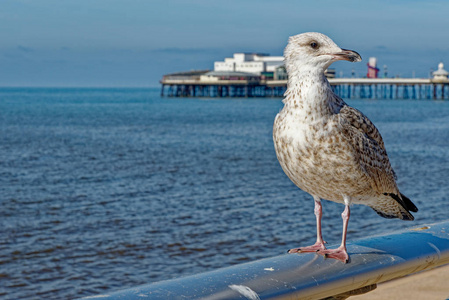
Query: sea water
{"points": [[106, 189]]}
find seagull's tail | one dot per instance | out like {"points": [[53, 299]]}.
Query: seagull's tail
{"points": [[399, 208], [405, 202], [401, 214], [409, 205]]}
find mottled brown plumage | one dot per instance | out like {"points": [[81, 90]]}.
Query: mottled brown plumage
{"points": [[327, 148]]}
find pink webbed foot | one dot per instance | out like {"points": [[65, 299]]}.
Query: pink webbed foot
{"points": [[340, 253], [314, 248]]}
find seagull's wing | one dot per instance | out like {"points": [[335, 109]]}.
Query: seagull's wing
{"points": [[369, 150], [370, 154]]}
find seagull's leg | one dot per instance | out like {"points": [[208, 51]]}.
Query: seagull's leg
{"points": [[319, 245], [340, 253]]}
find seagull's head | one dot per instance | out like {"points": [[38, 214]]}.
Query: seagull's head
{"points": [[315, 50]]}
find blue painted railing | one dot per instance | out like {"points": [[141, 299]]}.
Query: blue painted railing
{"points": [[309, 276]]}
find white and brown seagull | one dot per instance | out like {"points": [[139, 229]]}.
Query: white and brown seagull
{"points": [[327, 148]]}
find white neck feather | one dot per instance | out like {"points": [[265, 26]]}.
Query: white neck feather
{"points": [[309, 93]]}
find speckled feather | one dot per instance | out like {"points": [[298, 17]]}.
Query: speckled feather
{"points": [[327, 148]]}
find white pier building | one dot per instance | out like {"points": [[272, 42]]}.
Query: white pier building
{"points": [[256, 63]]}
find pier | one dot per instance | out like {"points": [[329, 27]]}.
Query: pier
{"points": [[348, 88], [260, 75]]}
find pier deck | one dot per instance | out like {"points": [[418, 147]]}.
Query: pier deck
{"points": [[379, 88]]}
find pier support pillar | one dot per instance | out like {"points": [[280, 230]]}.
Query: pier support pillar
{"points": [[162, 90]]}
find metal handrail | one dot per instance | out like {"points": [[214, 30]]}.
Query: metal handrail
{"points": [[310, 276]]}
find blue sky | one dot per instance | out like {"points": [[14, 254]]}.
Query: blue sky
{"points": [[135, 42]]}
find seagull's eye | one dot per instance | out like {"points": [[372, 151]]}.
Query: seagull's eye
{"points": [[314, 45]]}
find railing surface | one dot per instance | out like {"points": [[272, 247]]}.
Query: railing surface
{"points": [[309, 276]]}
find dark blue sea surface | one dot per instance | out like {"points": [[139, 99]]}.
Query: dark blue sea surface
{"points": [[105, 189]]}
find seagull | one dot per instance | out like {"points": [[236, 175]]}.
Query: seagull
{"points": [[327, 148]]}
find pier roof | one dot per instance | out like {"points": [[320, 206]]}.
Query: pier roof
{"points": [[188, 73], [229, 73], [441, 71]]}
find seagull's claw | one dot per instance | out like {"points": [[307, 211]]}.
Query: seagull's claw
{"points": [[340, 254], [314, 248]]}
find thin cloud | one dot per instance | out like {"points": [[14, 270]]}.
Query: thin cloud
{"points": [[25, 49]]}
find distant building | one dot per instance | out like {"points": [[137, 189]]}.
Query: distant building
{"points": [[187, 75], [385, 71], [441, 74], [280, 73], [228, 75], [244, 67], [256, 63], [372, 68]]}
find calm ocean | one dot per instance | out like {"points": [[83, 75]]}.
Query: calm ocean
{"points": [[105, 189]]}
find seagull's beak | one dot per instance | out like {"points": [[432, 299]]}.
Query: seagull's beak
{"points": [[348, 55]]}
